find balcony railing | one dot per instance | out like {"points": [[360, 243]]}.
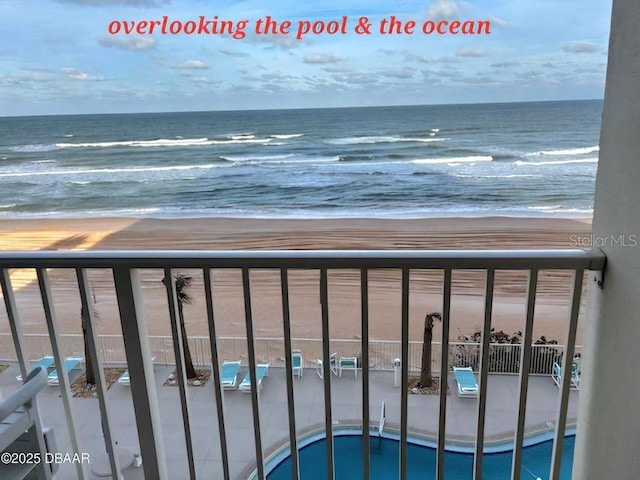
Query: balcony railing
{"points": [[139, 352]]}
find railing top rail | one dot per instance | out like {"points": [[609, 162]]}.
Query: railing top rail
{"points": [[563, 259]]}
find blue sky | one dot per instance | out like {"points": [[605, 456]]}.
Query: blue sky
{"points": [[57, 56]]}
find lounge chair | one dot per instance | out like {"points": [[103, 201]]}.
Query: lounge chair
{"points": [[333, 365], [348, 363], [44, 362], [262, 370], [556, 375], [298, 363], [229, 375], [21, 432], [466, 381], [125, 379], [69, 364]]}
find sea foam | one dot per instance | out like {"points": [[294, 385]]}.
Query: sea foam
{"points": [[470, 159], [557, 162], [568, 151]]}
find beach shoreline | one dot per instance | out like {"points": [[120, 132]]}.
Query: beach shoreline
{"points": [[296, 234], [207, 232]]}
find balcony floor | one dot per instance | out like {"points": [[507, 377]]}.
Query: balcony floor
{"points": [[423, 410]]}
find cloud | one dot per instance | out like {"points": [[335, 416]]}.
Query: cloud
{"points": [[336, 69], [78, 75], [320, 58], [499, 22], [400, 73], [419, 58], [199, 79], [581, 47], [386, 51], [232, 53], [189, 65], [128, 43], [131, 3], [504, 64], [285, 42], [447, 9], [33, 74], [470, 53]]}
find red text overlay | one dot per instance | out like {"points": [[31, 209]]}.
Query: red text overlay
{"points": [[238, 29]]}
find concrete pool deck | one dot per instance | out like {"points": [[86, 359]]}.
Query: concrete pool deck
{"points": [[423, 411]]}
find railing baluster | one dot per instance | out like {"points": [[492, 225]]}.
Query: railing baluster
{"points": [[567, 373], [246, 286], [143, 385], [178, 350], [18, 343], [215, 369], [96, 361], [326, 369], [525, 361], [484, 371], [405, 373], [288, 355], [364, 299], [58, 354], [444, 371], [14, 322]]}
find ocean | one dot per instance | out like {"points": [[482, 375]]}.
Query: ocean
{"points": [[516, 159]]}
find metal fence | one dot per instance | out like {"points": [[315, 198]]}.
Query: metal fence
{"points": [[503, 357]]}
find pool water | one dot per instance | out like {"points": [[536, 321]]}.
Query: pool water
{"points": [[421, 461]]}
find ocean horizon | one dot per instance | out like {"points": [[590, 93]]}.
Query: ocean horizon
{"points": [[533, 159]]}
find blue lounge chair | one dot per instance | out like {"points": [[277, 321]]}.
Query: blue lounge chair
{"points": [[125, 379], [262, 370], [69, 364], [44, 362], [466, 380], [348, 363], [230, 375], [556, 375], [298, 363]]}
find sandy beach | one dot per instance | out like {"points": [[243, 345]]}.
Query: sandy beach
{"points": [[344, 293]]}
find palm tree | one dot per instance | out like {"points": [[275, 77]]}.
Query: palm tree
{"points": [[182, 283], [426, 378], [90, 374]]}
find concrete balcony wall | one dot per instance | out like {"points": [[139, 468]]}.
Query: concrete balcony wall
{"points": [[608, 438]]}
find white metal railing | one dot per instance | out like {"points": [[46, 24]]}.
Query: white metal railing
{"points": [[139, 346], [504, 358]]}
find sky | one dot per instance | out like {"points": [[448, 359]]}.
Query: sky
{"points": [[57, 56]]}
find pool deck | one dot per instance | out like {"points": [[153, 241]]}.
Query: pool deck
{"points": [[423, 411]]}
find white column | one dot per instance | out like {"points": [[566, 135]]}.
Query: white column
{"points": [[608, 441]]}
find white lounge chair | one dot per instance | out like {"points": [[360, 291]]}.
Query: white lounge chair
{"points": [[21, 433], [556, 375], [466, 381], [297, 361], [262, 370], [348, 363], [125, 379], [229, 374], [69, 364], [333, 365]]}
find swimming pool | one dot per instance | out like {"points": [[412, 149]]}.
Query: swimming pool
{"points": [[421, 460]]}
